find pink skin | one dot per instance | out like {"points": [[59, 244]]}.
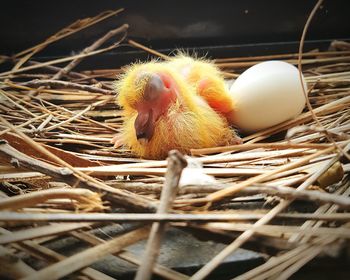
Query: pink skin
{"points": [[159, 94]]}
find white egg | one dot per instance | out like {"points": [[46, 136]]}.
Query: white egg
{"points": [[267, 94]]}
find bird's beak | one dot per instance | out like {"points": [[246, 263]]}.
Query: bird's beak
{"points": [[157, 97], [144, 126], [149, 110]]}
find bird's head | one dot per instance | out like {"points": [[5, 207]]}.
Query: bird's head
{"points": [[149, 94], [159, 92]]}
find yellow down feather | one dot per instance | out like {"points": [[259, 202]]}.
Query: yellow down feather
{"points": [[189, 123]]}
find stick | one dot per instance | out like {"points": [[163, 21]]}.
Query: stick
{"points": [[142, 47], [248, 146], [89, 256], [176, 163], [309, 195], [300, 119], [57, 61], [6, 216], [37, 232], [81, 195], [55, 69], [70, 29], [317, 246], [209, 267], [60, 108], [281, 231], [3, 93], [344, 191], [100, 17], [65, 84], [160, 270], [123, 198], [48, 255], [22, 160], [268, 189], [282, 260], [90, 49], [304, 258], [257, 179], [300, 54], [234, 65], [25, 123], [76, 116], [12, 267], [282, 56]]}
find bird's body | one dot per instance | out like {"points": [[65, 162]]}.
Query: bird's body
{"points": [[179, 104]]}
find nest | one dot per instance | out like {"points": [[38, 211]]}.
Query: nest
{"points": [[284, 192]]}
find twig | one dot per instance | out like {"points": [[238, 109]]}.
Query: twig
{"points": [[318, 246], [248, 146], [244, 64], [69, 30], [73, 28], [308, 195], [210, 266], [6, 216], [25, 123], [32, 233], [285, 257], [176, 163], [118, 196], [12, 267], [48, 255], [142, 47], [89, 256], [76, 116], [43, 124], [338, 45], [257, 179], [3, 93], [280, 231], [158, 269], [57, 61], [268, 189], [300, 55], [327, 108], [56, 69], [305, 257], [90, 49], [283, 56], [86, 197], [60, 108], [19, 159], [65, 84], [344, 191], [283, 261], [52, 256], [114, 170]]}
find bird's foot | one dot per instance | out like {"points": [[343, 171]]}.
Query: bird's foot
{"points": [[117, 141]]}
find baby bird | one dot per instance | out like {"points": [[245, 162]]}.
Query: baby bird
{"points": [[178, 104]]}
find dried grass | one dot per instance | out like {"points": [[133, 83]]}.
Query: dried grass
{"points": [[57, 162]]}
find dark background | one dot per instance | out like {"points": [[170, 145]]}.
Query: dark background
{"points": [[222, 27]]}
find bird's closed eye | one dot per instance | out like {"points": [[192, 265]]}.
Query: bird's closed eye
{"points": [[154, 88]]}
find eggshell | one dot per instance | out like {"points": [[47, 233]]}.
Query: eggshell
{"points": [[267, 94]]}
